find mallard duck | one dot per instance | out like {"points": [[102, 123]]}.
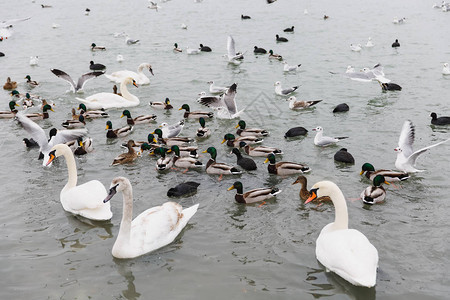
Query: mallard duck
{"points": [[127, 157], [12, 111], [243, 131], [304, 193], [152, 229], [163, 163], [232, 141], [28, 102], [92, 114], [94, 47], [213, 167], [203, 131], [347, 252], [184, 162], [252, 196], [119, 132], [171, 141], [40, 116], [245, 163], [9, 85], [75, 116], [83, 147], [389, 175], [188, 114], [161, 105], [71, 124], [284, 167], [31, 83], [375, 193], [274, 55], [143, 119], [151, 142], [176, 49], [259, 150], [297, 105]]}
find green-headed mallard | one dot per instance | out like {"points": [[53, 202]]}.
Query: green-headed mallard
{"points": [[203, 131], [161, 105], [83, 147], [171, 141], [213, 167], [176, 49], [274, 55], [243, 131], [188, 114], [71, 124], [31, 83], [232, 141], [252, 196], [143, 119], [9, 85], [163, 163], [259, 150], [184, 162], [127, 157], [284, 167], [94, 47], [245, 163], [40, 116], [12, 111], [389, 175], [304, 193], [119, 132], [375, 193], [92, 114]]}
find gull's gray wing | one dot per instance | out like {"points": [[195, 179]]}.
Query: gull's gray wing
{"points": [[66, 77], [229, 99], [406, 139], [64, 136], [36, 132], [86, 77]]}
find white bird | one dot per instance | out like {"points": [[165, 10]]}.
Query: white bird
{"points": [[369, 43], [54, 25], [284, 92], [86, 199], [323, 141], [399, 21], [139, 77], [214, 89], [119, 34], [406, 158], [350, 69], [446, 69], [288, 68], [119, 58], [6, 26], [152, 229], [130, 41], [346, 252], [34, 60], [367, 74], [76, 88], [297, 105], [110, 100], [355, 48], [233, 56], [225, 104], [56, 136], [183, 26], [154, 6], [192, 51], [169, 131]]}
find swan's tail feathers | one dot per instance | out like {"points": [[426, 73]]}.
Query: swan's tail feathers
{"points": [[190, 211]]}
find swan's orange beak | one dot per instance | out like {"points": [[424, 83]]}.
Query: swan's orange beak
{"points": [[51, 157], [311, 198], [135, 84]]}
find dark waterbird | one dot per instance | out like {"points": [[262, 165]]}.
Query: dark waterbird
{"points": [[289, 29], [343, 156], [205, 48], [281, 39], [245, 17], [439, 121], [244, 162], [343, 107], [296, 131], [395, 44], [259, 50], [183, 189]]}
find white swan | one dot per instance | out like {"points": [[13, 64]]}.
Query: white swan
{"points": [[139, 77], [86, 199], [152, 229], [110, 100], [347, 252]]}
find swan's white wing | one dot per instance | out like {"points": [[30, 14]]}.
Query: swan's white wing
{"points": [[229, 99], [64, 136], [86, 77], [231, 47], [406, 139], [413, 157], [36, 132], [66, 77]]}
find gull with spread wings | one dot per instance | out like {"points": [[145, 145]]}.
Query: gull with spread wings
{"points": [[76, 88]]}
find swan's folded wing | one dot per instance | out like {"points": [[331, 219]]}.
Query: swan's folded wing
{"points": [[64, 136], [86, 77], [66, 77], [406, 139], [36, 132]]}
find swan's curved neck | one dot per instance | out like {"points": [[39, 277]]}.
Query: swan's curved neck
{"points": [[125, 225], [341, 213], [125, 93], [71, 168]]}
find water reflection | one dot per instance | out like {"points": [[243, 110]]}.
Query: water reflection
{"points": [[124, 269]]}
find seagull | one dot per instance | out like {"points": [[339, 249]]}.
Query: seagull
{"points": [[399, 21], [297, 105], [5, 26], [130, 41], [34, 60], [38, 134], [170, 131], [406, 158], [76, 88], [355, 48], [288, 68], [225, 104], [191, 51], [446, 69], [154, 6], [213, 89], [323, 141], [233, 57], [183, 26], [369, 43], [367, 75], [119, 58], [284, 92]]}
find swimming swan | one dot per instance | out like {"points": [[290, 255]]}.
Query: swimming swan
{"points": [[347, 252], [86, 199], [152, 229], [110, 100]]}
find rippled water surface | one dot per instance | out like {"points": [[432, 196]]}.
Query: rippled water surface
{"points": [[231, 251]]}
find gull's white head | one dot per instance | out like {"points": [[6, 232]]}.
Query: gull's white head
{"points": [[292, 98], [446, 65], [318, 129], [210, 82], [201, 94], [164, 124], [277, 83]]}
